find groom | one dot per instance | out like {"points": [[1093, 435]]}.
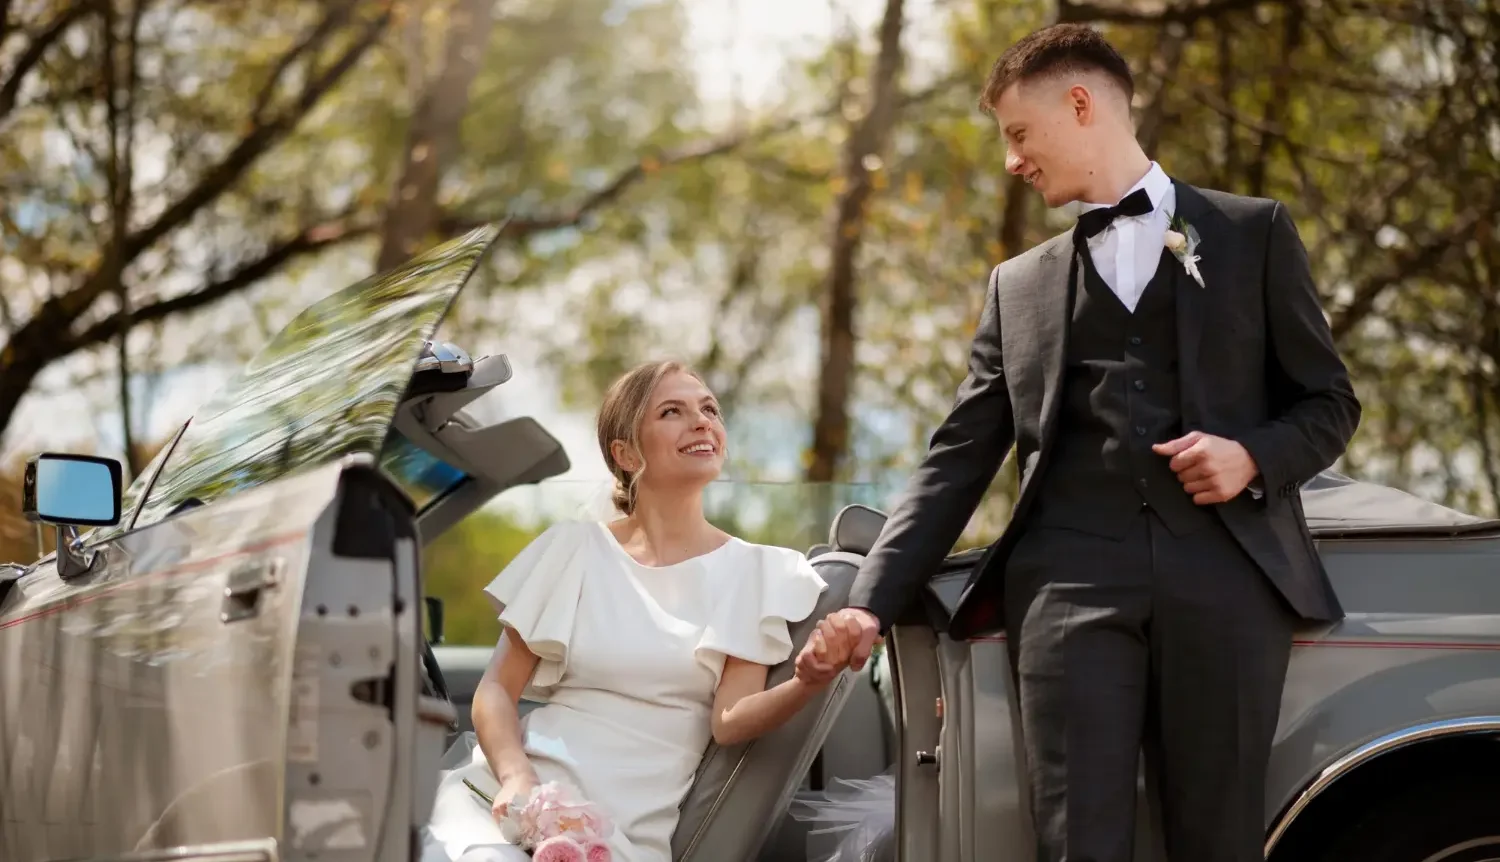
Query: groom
{"points": [[1169, 382]]}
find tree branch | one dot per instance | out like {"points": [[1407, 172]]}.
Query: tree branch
{"points": [[1160, 12], [313, 239], [11, 89], [259, 140], [336, 17], [222, 176], [1413, 262], [520, 227]]}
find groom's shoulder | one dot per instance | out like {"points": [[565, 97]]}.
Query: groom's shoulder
{"points": [[1238, 208], [1025, 263]]}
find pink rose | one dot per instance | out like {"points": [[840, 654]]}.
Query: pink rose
{"points": [[558, 848], [558, 809], [598, 851]]}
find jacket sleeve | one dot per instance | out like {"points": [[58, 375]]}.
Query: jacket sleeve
{"points": [[1312, 405], [962, 459]]}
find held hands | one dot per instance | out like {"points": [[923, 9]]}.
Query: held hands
{"points": [[1211, 469], [843, 639]]}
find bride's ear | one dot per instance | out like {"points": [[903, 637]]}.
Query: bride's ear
{"points": [[625, 456]]}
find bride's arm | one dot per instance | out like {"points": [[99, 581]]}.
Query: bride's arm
{"points": [[744, 708], [497, 720]]}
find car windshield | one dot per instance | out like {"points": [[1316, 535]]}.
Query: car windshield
{"points": [[325, 387]]}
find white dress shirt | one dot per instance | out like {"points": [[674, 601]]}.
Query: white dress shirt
{"points": [[1127, 252]]}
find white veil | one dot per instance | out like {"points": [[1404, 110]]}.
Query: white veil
{"points": [[597, 503], [854, 820]]}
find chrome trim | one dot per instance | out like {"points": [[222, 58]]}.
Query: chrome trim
{"points": [[254, 850], [1373, 749]]}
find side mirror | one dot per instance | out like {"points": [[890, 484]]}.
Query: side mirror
{"points": [[72, 490]]}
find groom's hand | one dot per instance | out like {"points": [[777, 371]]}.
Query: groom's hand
{"points": [[1211, 469], [863, 630]]}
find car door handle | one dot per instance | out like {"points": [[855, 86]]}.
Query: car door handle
{"points": [[244, 586]]}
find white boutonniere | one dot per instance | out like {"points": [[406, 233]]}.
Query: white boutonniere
{"points": [[1181, 239]]}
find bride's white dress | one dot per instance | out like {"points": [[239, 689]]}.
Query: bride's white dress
{"points": [[630, 658]]}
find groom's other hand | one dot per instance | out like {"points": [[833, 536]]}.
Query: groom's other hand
{"points": [[1211, 469]]}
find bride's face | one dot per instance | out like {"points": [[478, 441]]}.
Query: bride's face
{"points": [[682, 434]]}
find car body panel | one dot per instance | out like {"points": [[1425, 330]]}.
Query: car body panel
{"points": [[132, 689], [149, 702]]}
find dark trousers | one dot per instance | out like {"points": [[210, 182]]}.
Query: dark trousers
{"points": [[1177, 644]]}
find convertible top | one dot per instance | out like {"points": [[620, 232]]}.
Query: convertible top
{"points": [[1336, 505]]}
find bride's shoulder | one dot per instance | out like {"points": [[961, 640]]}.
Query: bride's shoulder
{"points": [[569, 532], [775, 561]]}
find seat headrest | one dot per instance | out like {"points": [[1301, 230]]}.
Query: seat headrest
{"points": [[855, 529]]}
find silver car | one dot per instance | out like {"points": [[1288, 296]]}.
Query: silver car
{"points": [[235, 660]]}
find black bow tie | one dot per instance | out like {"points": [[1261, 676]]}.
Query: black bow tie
{"points": [[1136, 203]]}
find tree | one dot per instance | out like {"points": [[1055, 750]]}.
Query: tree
{"points": [[54, 234], [861, 165]]}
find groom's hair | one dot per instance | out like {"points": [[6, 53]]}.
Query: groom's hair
{"points": [[1058, 49]]}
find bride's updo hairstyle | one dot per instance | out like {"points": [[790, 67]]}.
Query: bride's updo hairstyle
{"points": [[620, 418]]}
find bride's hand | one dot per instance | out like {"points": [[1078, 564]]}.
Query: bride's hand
{"points": [[827, 652], [521, 786]]}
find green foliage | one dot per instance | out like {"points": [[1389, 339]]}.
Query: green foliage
{"points": [[462, 562]]}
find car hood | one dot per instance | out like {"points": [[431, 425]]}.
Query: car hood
{"points": [[325, 387]]}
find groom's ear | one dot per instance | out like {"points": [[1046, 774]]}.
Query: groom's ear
{"points": [[1080, 101]]}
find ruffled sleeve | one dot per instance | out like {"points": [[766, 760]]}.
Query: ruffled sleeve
{"points": [[770, 589], [537, 595]]}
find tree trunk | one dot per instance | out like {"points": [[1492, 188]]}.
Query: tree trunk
{"points": [[861, 157], [1014, 216], [120, 109], [432, 139]]}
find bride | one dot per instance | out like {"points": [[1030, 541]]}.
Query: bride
{"points": [[642, 637]]}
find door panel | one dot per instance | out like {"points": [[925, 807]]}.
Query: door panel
{"points": [[145, 690], [914, 667]]}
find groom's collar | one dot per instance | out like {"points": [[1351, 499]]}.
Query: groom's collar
{"points": [[1156, 183]]}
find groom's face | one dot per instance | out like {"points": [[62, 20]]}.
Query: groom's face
{"points": [[1046, 123]]}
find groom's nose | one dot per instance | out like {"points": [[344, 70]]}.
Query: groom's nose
{"points": [[1013, 162]]}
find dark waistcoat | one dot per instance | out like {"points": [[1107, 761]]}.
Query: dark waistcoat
{"points": [[1120, 395]]}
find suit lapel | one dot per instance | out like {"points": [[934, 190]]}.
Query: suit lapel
{"points": [[1191, 299], [1057, 286]]}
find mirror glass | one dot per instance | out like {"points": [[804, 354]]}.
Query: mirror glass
{"points": [[75, 492]]}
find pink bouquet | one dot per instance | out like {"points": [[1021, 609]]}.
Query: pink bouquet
{"points": [[556, 824], [561, 848]]}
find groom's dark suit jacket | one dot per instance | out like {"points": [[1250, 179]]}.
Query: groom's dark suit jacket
{"points": [[1256, 364]]}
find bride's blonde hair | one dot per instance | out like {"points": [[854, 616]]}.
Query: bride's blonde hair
{"points": [[620, 418]]}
